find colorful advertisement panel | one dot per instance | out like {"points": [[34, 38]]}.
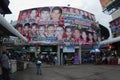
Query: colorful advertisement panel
{"points": [[106, 3], [57, 25], [115, 27]]}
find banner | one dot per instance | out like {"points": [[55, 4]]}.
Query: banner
{"points": [[115, 27], [57, 25], [106, 3]]}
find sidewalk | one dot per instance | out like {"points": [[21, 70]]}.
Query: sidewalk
{"points": [[70, 72]]}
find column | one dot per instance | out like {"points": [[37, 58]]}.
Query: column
{"points": [[80, 58], [61, 57], [58, 54]]}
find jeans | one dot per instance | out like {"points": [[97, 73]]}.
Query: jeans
{"points": [[5, 74], [39, 71]]}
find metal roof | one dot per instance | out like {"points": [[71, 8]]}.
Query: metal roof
{"points": [[6, 29], [110, 41]]}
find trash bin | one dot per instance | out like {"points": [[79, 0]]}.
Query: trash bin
{"points": [[20, 65], [13, 66], [25, 65]]}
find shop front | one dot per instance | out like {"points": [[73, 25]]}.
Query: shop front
{"points": [[70, 55], [61, 36], [112, 49], [64, 54]]}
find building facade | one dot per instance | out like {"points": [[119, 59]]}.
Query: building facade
{"points": [[64, 31], [112, 7]]}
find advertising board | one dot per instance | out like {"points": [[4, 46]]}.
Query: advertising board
{"points": [[106, 3], [115, 27], [57, 25]]}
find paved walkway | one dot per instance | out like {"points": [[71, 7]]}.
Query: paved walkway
{"points": [[70, 72]]}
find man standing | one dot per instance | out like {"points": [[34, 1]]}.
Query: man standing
{"points": [[38, 65], [5, 66]]}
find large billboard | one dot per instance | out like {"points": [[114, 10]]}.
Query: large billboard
{"points": [[57, 25], [106, 3], [115, 27]]}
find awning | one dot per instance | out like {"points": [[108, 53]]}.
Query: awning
{"points": [[110, 41], [7, 29]]}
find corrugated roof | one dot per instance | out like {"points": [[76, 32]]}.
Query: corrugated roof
{"points": [[7, 29]]}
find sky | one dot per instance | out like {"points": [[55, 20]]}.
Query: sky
{"points": [[92, 6]]}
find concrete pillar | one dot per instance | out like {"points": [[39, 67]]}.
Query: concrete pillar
{"points": [[62, 58], [58, 54], [80, 58]]}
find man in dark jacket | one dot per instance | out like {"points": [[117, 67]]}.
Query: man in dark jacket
{"points": [[5, 66]]}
